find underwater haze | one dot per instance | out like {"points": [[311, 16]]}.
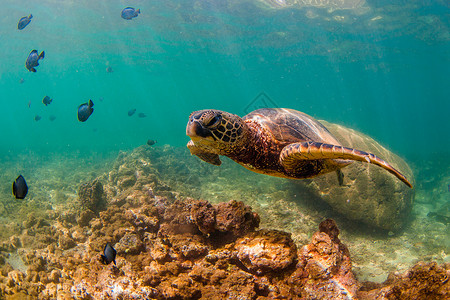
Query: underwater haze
{"points": [[381, 67]]}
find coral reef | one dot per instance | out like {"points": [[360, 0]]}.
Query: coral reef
{"points": [[172, 247]]}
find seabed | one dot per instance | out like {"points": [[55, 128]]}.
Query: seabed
{"points": [[186, 230]]}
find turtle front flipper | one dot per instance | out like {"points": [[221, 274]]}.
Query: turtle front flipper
{"points": [[293, 154], [205, 156]]}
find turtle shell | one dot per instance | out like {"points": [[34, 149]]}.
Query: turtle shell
{"points": [[289, 126]]}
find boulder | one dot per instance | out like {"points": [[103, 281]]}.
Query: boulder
{"points": [[369, 194]]}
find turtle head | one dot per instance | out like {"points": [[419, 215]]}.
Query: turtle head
{"points": [[215, 131]]}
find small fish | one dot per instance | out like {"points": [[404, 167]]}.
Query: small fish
{"points": [[52, 118], [21, 80], [19, 187], [101, 99], [23, 22], [37, 117], [85, 110], [129, 13], [47, 100], [109, 70], [131, 112], [109, 254], [142, 115], [33, 60], [29, 104], [151, 142]]}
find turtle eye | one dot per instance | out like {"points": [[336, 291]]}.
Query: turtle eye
{"points": [[213, 121]]}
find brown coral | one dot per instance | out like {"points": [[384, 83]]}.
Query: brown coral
{"points": [[266, 251], [91, 196]]}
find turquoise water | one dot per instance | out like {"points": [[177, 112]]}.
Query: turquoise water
{"points": [[380, 68]]}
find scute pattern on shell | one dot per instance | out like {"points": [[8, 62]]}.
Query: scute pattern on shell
{"points": [[290, 126]]}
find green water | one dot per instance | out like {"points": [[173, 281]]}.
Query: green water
{"points": [[382, 69]]}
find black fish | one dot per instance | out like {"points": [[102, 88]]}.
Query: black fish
{"points": [[129, 13], [37, 117], [20, 188], [47, 100], [142, 115], [131, 112], [33, 60], [52, 118], [23, 22], [151, 142], [109, 254], [85, 110]]}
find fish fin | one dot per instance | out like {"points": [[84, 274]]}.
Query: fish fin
{"points": [[138, 11], [31, 16], [14, 188], [91, 103], [32, 70], [42, 55]]}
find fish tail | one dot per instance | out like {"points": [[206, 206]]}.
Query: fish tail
{"points": [[138, 11], [42, 55], [91, 103], [31, 16]]}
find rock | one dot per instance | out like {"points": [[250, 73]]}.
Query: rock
{"points": [[142, 220], [423, 281], [54, 276], [204, 216], [129, 244], [236, 217], [193, 248], [66, 242], [266, 251], [326, 266], [370, 194], [91, 196], [84, 217]]}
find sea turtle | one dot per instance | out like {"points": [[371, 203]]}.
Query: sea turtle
{"points": [[274, 141]]}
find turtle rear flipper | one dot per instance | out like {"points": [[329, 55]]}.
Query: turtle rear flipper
{"points": [[205, 156], [294, 153], [340, 176]]}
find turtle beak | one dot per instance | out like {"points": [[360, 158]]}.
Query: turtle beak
{"points": [[191, 130], [196, 131]]}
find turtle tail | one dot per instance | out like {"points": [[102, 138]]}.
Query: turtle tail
{"points": [[313, 150]]}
